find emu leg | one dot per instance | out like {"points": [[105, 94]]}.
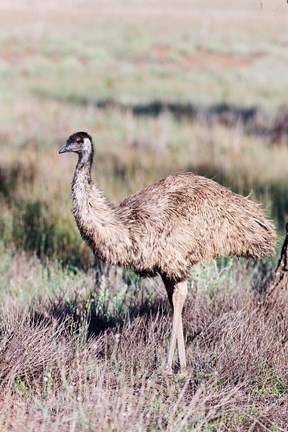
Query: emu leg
{"points": [[178, 296], [280, 279], [181, 345]]}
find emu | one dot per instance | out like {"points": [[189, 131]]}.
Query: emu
{"points": [[166, 228]]}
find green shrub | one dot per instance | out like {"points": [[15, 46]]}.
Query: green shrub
{"points": [[35, 228]]}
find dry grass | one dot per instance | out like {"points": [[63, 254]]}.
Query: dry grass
{"points": [[61, 371]]}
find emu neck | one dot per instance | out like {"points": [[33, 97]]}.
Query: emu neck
{"points": [[97, 218], [84, 164]]}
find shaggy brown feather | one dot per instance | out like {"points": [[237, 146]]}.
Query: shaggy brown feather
{"points": [[171, 225], [167, 227]]}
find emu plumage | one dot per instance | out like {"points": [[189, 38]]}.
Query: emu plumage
{"points": [[167, 228]]}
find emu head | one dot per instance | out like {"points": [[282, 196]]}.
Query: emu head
{"points": [[81, 143]]}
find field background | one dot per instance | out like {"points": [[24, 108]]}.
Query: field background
{"points": [[162, 87]]}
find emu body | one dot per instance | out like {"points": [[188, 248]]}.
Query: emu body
{"points": [[167, 228]]}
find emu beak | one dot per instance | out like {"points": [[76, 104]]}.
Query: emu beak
{"points": [[72, 147], [62, 150]]}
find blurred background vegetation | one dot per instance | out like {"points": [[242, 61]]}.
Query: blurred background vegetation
{"points": [[161, 87]]}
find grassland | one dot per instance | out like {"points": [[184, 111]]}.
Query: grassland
{"points": [[162, 88]]}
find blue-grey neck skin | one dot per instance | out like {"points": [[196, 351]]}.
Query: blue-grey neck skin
{"points": [[86, 155], [87, 151]]}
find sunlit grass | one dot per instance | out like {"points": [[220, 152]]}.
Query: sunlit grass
{"points": [[76, 355]]}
